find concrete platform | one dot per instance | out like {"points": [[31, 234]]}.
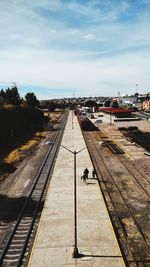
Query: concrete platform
{"points": [[54, 242]]}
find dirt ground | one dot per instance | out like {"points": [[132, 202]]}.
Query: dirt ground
{"points": [[17, 185], [127, 190], [17, 182], [25, 162], [134, 152]]}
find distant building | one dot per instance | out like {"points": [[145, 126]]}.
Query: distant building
{"points": [[128, 101], [145, 101], [146, 104]]}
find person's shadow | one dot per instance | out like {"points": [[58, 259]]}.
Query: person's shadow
{"points": [[90, 182]]}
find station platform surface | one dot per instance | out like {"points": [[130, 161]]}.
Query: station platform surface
{"points": [[54, 243]]}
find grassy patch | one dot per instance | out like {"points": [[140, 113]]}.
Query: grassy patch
{"points": [[20, 153], [55, 116]]}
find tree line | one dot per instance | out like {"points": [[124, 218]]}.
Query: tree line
{"points": [[11, 96], [18, 117]]}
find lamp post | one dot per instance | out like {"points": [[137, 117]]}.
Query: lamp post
{"points": [[76, 253], [136, 94], [136, 87], [110, 118], [72, 119]]}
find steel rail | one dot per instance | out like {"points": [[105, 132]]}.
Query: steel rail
{"points": [[129, 210], [97, 165], [128, 165], [107, 190], [53, 150], [102, 183]]}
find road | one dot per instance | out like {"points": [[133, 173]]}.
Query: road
{"points": [[142, 115]]}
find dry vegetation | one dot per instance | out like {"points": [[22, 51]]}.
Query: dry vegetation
{"points": [[9, 162], [53, 116], [20, 153]]}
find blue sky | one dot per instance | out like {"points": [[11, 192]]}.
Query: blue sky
{"points": [[87, 47]]}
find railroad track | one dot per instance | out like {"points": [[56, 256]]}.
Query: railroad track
{"points": [[113, 147], [16, 248], [123, 213], [138, 176]]}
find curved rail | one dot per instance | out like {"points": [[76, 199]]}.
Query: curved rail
{"points": [[17, 244]]}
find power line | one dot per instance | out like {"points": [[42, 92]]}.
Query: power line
{"points": [[15, 84]]}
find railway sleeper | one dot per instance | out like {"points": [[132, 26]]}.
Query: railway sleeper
{"points": [[14, 251], [15, 248], [26, 219], [23, 229], [15, 245], [114, 148], [25, 222], [20, 235], [7, 262], [36, 196], [17, 240], [10, 256]]}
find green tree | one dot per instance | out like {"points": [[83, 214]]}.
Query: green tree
{"points": [[52, 106], [11, 96], [136, 95], [2, 93], [115, 104], [107, 103], [32, 100], [90, 103]]}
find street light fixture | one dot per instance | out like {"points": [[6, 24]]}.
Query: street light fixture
{"points": [[76, 253], [72, 119]]}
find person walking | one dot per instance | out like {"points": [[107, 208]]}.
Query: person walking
{"points": [[85, 174], [93, 173]]}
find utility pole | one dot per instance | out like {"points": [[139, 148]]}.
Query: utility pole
{"points": [[136, 87], [136, 93], [14, 84], [72, 110]]}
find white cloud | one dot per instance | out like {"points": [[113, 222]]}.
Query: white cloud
{"points": [[73, 45], [57, 70], [90, 36]]}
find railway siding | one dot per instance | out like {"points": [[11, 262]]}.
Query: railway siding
{"points": [[127, 194]]}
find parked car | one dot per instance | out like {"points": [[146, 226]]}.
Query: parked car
{"points": [[133, 109], [98, 121]]}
